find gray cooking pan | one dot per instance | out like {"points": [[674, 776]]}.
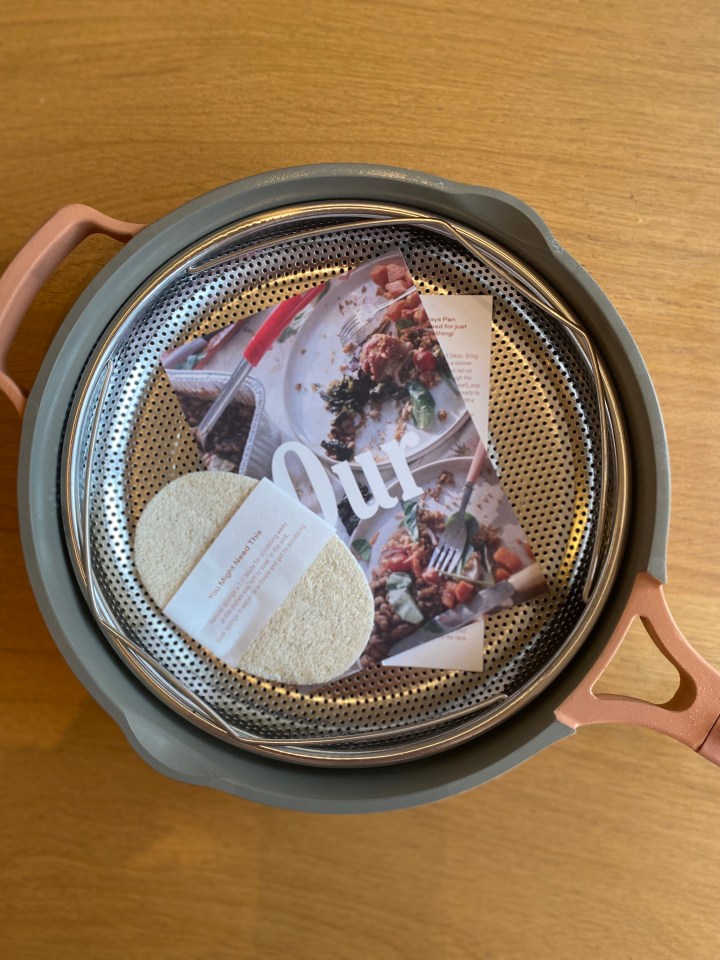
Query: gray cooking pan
{"points": [[576, 435]]}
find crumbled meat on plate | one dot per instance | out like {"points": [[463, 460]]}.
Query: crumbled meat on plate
{"points": [[446, 478], [383, 357]]}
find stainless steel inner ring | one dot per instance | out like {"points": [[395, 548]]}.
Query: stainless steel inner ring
{"points": [[547, 442]]}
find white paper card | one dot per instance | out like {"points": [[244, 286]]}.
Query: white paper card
{"points": [[463, 326], [248, 571], [460, 650]]}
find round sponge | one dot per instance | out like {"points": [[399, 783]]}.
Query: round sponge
{"points": [[321, 627]]}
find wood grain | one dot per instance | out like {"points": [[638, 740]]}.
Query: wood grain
{"points": [[604, 117]]}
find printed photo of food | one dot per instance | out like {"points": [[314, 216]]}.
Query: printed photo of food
{"points": [[421, 586]]}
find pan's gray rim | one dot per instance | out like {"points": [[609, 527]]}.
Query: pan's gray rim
{"points": [[64, 609]]}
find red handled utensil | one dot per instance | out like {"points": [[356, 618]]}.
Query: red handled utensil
{"points": [[279, 319]]}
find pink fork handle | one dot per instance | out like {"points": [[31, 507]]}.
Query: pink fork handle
{"points": [[478, 462], [691, 716], [32, 266], [278, 320]]}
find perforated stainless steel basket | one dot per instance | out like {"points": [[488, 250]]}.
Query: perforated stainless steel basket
{"points": [[563, 367]]}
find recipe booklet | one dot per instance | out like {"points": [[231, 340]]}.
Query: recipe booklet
{"points": [[368, 403]]}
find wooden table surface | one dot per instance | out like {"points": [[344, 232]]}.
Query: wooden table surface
{"points": [[604, 118]]}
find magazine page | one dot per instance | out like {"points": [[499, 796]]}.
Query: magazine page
{"points": [[368, 403]]}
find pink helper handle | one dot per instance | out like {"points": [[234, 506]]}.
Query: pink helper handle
{"points": [[280, 318], [32, 266], [691, 716]]}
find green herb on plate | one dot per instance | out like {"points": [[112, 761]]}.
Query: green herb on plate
{"points": [[410, 518], [362, 548], [423, 405], [404, 323]]}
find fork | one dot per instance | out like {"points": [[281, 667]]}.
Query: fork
{"points": [[361, 318], [448, 552]]}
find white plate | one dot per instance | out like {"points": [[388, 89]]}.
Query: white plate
{"points": [[315, 362]]}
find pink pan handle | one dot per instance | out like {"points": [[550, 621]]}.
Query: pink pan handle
{"points": [[692, 716], [32, 266]]}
